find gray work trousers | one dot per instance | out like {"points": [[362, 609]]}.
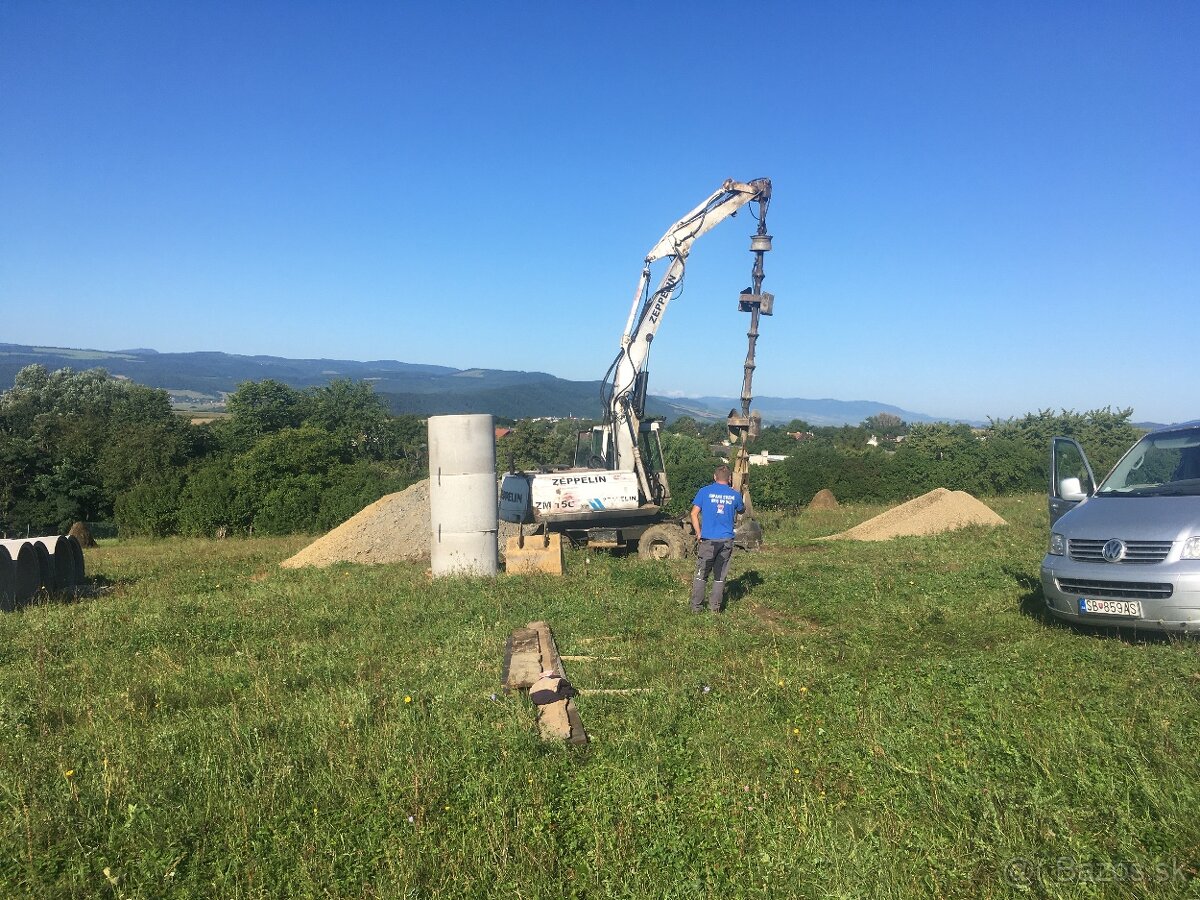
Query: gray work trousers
{"points": [[711, 556]]}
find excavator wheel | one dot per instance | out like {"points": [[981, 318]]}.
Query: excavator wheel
{"points": [[663, 542]]}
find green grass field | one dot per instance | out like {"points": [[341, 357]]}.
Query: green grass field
{"points": [[868, 720]]}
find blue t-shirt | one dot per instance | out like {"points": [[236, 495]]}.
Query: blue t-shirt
{"points": [[719, 505]]}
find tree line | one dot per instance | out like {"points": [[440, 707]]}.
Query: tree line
{"points": [[84, 446], [903, 461]]}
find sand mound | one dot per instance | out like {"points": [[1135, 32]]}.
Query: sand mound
{"points": [[394, 528], [939, 510], [823, 499]]}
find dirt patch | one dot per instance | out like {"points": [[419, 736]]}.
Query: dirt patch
{"points": [[823, 499], [779, 622], [802, 549], [393, 529], [939, 510]]}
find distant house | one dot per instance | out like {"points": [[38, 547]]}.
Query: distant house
{"points": [[502, 432], [764, 458], [800, 435]]}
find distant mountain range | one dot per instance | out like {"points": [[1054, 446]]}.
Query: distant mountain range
{"points": [[201, 380]]}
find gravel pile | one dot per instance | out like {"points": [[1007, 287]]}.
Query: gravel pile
{"points": [[393, 529], [939, 510]]}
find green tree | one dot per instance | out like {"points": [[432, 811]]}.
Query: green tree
{"points": [[689, 465], [1104, 435], [684, 425], [356, 416], [774, 439], [885, 425], [70, 442], [150, 507], [259, 408], [281, 478], [771, 487], [210, 500], [537, 443]]}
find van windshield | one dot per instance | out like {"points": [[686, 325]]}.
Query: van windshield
{"points": [[1162, 464]]}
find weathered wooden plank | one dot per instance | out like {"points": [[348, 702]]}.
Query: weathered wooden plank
{"points": [[573, 658], [559, 720], [551, 661], [529, 652], [523, 660], [554, 721]]}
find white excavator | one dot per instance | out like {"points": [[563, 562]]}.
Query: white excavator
{"points": [[614, 496]]}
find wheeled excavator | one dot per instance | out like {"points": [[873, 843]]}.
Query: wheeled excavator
{"points": [[613, 498]]}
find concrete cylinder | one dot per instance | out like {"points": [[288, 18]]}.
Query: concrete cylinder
{"points": [[462, 495], [77, 552], [8, 587], [45, 567], [27, 570], [62, 562]]}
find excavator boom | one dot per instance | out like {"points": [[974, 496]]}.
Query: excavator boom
{"points": [[618, 497]]}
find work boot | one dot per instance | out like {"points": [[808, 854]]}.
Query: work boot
{"points": [[698, 586], [718, 594]]}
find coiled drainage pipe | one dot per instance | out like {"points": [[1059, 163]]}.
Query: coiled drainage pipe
{"points": [[26, 571], [53, 563]]}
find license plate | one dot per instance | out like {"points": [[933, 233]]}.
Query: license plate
{"points": [[1110, 607]]}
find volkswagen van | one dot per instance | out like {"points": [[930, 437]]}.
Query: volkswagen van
{"points": [[1127, 551]]}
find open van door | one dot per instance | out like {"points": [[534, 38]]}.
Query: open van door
{"points": [[1071, 478]]}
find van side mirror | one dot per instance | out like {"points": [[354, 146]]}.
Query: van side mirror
{"points": [[1070, 489]]}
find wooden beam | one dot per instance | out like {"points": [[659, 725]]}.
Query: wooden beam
{"points": [[531, 651], [522, 660]]}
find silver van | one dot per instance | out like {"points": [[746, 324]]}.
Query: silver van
{"points": [[1127, 552]]}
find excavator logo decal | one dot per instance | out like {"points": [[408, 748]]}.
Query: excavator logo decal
{"points": [[663, 293]]}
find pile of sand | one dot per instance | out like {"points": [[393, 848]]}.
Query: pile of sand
{"points": [[394, 528], [823, 499], [939, 510]]}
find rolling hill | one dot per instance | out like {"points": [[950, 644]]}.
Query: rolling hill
{"points": [[201, 380]]}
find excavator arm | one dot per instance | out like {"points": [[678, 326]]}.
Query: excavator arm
{"points": [[616, 498], [625, 401]]}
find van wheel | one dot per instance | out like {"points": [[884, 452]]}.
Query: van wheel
{"points": [[663, 542]]}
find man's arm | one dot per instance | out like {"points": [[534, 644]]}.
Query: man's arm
{"points": [[696, 519]]}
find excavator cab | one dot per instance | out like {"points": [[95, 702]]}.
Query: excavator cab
{"points": [[650, 446], [594, 450]]}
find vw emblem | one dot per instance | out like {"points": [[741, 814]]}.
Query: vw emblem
{"points": [[1114, 551]]}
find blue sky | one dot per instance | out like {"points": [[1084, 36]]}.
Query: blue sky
{"points": [[980, 209]]}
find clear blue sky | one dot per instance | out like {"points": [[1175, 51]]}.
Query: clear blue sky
{"points": [[981, 209]]}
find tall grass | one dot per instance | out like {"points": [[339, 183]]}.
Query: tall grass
{"points": [[887, 720]]}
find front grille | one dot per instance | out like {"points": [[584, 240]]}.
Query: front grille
{"points": [[1115, 590], [1136, 552]]}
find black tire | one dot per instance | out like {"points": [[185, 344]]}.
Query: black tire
{"points": [[663, 542]]}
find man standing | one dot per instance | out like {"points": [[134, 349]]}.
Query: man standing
{"points": [[713, 514]]}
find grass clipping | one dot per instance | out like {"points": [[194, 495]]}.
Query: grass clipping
{"points": [[939, 510], [393, 529]]}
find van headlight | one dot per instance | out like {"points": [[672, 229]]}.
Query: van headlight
{"points": [[1191, 548], [1058, 544]]}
